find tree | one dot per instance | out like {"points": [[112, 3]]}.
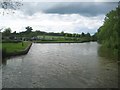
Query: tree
{"points": [[29, 29], [7, 32], [109, 33], [14, 32], [62, 33], [76, 35], [119, 4], [88, 35], [10, 5], [82, 35], [66, 35]]}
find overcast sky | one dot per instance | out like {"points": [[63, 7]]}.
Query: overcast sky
{"points": [[72, 17]]}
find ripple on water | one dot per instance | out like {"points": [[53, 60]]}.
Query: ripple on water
{"points": [[60, 65]]}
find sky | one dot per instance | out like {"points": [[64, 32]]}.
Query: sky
{"points": [[70, 17]]}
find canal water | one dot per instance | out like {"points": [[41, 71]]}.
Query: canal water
{"points": [[60, 65]]}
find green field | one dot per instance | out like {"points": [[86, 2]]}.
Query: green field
{"points": [[14, 47], [47, 37]]}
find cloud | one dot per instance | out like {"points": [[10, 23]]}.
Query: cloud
{"points": [[83, 8], [73, 23], [31, 8], [75, 17]]}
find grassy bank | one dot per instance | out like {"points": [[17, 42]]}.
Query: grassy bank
{"points": [[111, 54], [13, 49]]}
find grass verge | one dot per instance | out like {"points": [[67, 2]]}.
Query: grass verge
{"points": [[14, 49]]}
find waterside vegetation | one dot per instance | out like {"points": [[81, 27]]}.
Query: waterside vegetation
{"points": [[108, 34]]}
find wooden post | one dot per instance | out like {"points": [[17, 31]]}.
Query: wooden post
{"points": [[22, 42]]}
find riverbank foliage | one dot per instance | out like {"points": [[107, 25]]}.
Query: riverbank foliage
{"points": [[29, 35], [109, 33]]}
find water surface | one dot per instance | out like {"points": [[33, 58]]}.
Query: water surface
{"points": [[60, 65]]}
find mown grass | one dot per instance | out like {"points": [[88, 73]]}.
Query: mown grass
{"points": [[14, 47], [47, 37]]}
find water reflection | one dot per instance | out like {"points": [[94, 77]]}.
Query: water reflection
{"points": [[60, 66]]}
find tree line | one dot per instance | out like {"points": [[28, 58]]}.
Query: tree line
{"points": [[109, 33], [29, 33]]}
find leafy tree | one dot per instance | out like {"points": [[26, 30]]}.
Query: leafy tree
{"points": [[66, 35], [7, 32], [29, 29], [94, 37], [10, 5], [109, 33], [14, 32], [83, 34], [88, 35], [62, 33]]}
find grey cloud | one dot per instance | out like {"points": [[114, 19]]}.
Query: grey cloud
{"points": [[31, 8], [83, 8]]}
